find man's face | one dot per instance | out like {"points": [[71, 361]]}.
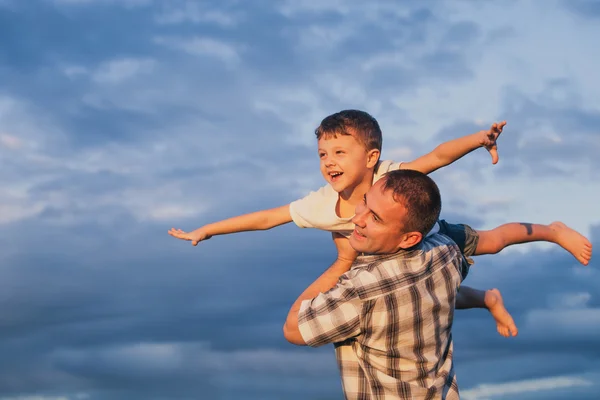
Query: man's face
{"points": [[379, 222], [344, 162]]}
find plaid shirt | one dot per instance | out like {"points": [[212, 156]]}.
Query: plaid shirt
{"points": [[390, 318]]}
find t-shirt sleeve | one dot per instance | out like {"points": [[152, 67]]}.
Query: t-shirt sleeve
{"points": [[386, 166], [307, 211], [333, 316]]}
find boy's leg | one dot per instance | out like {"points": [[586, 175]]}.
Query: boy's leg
{"points": [[467, 240], [495, 240], [468, 297]]}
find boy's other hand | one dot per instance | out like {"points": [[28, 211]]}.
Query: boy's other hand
{"points": [[489, 137], [195, 236], [345, 251]]}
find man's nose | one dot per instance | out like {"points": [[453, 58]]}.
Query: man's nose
{"points": [[359, 216]]}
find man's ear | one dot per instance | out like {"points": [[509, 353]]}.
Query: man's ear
{"points": [[372, 158], [410, 239]]}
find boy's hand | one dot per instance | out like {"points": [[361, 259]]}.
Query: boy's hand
{"points": [[489, 137], [346, 252], [195, 236]]}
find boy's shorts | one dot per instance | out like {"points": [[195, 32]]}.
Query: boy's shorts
{"points": [[464, 236]]}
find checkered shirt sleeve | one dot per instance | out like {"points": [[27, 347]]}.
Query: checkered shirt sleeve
{"points": [[332, 316]]}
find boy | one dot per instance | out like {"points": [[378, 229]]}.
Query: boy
{"points": [[349, 146]]}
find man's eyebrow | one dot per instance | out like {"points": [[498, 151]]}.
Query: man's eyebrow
{"points": [[371, 211]]}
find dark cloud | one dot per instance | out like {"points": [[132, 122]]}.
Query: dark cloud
{"points": [[557, 132], [124, 120], [583, 8]]}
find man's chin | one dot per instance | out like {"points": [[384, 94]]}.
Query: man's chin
{"points": [[357, 246]]}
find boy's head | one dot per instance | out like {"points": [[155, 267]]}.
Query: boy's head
{"points": [[359, 124], [397, 212], [349, 148]]}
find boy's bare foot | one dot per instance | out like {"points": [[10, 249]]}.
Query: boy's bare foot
{"points": [[573, 242], [504, 322]]}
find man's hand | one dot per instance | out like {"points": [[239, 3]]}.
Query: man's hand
{"points": [[195, 236], [489, 137], [345, 251]]}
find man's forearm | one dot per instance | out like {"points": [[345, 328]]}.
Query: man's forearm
{"points": [[326, 281]]}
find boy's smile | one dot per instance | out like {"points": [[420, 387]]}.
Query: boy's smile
{"points": [[344, 162]]}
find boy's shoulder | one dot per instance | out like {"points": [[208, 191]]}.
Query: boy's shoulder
{"points": [[383, 167]]}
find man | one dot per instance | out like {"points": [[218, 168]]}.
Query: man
{"points": [[390, 313]]}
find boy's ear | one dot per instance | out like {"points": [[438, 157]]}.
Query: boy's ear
{"points": [[410, 239], [372, 158]]}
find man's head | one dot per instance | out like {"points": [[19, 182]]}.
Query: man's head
{"points": [[397, 212], [349, 148]]}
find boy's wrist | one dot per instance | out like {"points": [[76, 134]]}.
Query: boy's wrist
{"points": [[206, 230]]}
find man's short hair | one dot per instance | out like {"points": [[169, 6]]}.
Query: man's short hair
{"points": [[419, 194], [355, 123]]}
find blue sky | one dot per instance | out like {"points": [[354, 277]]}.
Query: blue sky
{"points": [[121, 119]]}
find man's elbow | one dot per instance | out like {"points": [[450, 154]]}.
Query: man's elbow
{"points": [[293, 335]]}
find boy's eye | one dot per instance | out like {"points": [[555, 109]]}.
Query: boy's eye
{"points": [[339, 152], [321, 155], [375, 218]]}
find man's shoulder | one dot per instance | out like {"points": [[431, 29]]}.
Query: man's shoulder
{"points": [[437, 240], [378, 275]]}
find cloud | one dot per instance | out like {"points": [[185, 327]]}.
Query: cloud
{"points": [[129, 118], [126, 3], [583, 8], [119, 70], [203, 46], [514, 388], [10, 142], [197, 14]]}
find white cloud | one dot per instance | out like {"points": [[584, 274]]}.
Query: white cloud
{"points": [[75, 71], [501, 390], [563, 323], [10, 142], [203, 46], [124, 3], [167, 358], [291, 8], [196, 13], [113, 71], [116, 71], [570, 300], [77, 396]]}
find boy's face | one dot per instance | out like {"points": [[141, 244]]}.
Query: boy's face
{"points": [[345, 162]]}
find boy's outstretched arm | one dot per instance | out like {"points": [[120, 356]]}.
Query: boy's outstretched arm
{"points": [[448, 152], [256, 221]]}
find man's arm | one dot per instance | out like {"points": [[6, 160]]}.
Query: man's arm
{"points": [[346, 256], [260, 220], [450, 151]]}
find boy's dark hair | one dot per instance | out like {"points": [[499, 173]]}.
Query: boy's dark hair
{"points": [[357, 123], [419, 194]]}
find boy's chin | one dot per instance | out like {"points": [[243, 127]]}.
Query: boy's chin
{"points": [[339, 186]]}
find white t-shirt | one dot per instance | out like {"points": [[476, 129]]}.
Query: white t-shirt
{"points": [[317, 209]]}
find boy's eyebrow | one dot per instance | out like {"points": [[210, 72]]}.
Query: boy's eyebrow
{"points": [[371, 211]]}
